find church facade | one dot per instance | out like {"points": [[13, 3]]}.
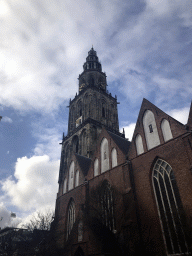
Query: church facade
{"points": [[118, 197]]}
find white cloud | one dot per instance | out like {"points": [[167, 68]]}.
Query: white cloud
{"points": [[5, 217], [7, 119], [180, 114], [44, 46], [34, 184], [129, 129]]}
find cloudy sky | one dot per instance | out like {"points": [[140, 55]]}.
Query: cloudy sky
{"points": [[145, 48]]}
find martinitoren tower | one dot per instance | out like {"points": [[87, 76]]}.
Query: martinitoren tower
{"points": [[91, 109]]}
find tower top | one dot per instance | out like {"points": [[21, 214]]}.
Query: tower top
{"points": [[92, 61], [92, 75]]}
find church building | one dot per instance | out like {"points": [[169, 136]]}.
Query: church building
{"points": [[118, 197]]}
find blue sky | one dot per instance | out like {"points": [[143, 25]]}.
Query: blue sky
{"points": [[145, 48]]}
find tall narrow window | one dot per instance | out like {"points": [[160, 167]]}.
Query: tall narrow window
{"points": [[150, 128], [167, 134], [80, 231], [77, 178], [139, 144], [169, 205], [65, 186], [96, 167], [103, 112], [107, 206], [104, 155], [71, 176], [114, 157], [70, 218]]}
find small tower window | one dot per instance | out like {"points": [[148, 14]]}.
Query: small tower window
{"points": [[150, 128], [103, 112], [80, 112]]}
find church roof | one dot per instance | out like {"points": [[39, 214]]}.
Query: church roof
{"points": [[84, 163], [122, 143]]}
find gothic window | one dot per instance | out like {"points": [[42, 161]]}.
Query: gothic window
{"points": [[96, 167], [71, 176], [169, 207], [70, 217], [139, 144], [107, 206], [104, 155], [114, 157], [167, 134], [65, 186], [77, 178], [150, 128]]}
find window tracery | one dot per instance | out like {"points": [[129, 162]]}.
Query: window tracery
{"points": [[169, 205], [107, 206], [70, 217]]}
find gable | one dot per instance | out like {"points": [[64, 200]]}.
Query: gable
{"points": [[153, 128], [111, 151]]}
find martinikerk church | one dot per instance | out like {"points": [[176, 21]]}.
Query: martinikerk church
{"points": [[118, 197]]}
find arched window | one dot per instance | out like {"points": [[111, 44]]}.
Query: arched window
{"points": [[65, 186], [71, 176], [150, 128], [77, 178], [96, 167], [107, 206], [139, 144], [169, 205], [114, 157], [167, 134], [70, 217], [104, 155]]}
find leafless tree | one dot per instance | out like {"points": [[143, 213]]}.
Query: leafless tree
{"points": [[40, 221]]}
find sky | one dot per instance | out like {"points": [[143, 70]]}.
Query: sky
{"points": [[145, 48]]}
